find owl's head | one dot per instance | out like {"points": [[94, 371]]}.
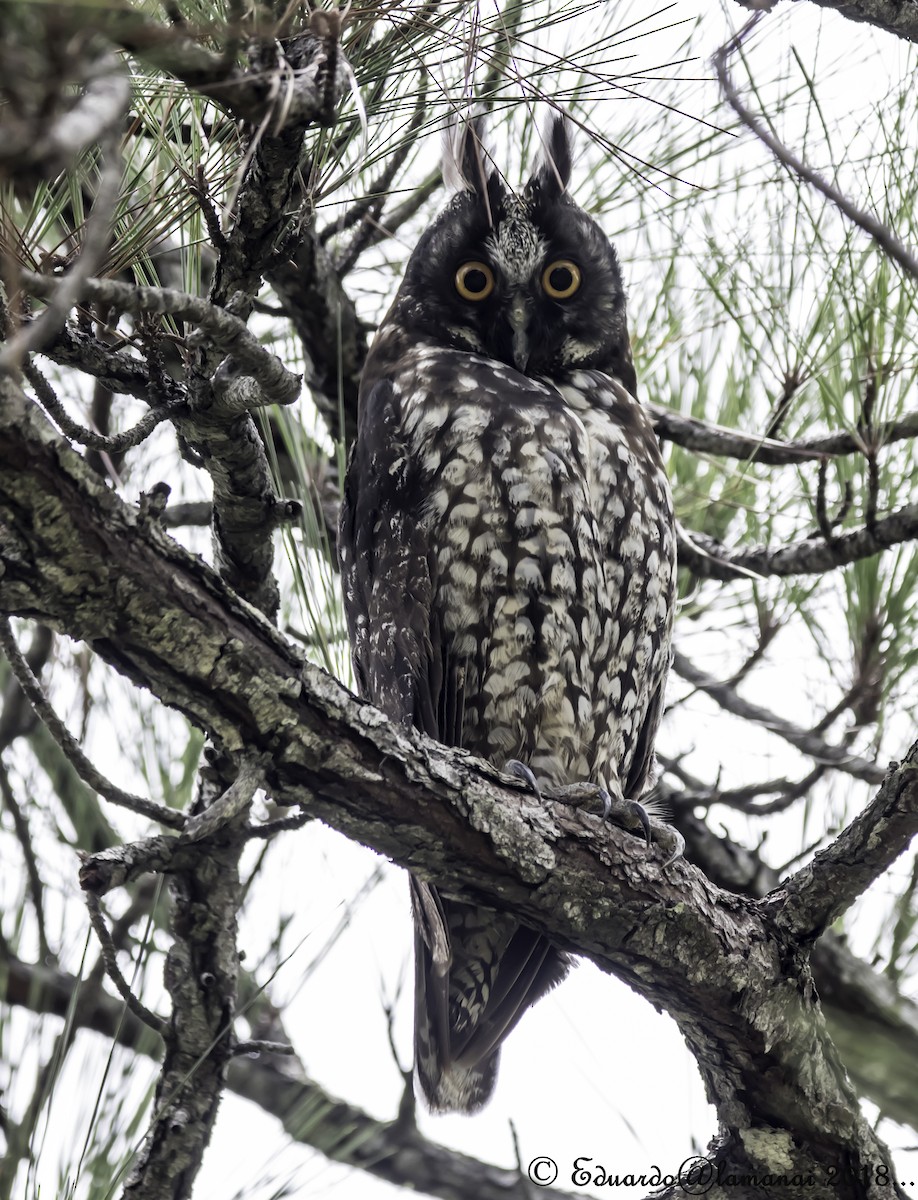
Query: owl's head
{"points": [[528, 278]]}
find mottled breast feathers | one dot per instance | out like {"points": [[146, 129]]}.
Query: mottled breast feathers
{"points": [[507, 552]]}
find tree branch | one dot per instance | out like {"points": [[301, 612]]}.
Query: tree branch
{"points": [[881, 234], [110, 959], [221, 328], [70, 746], [873, 1024], [708, 559], [49, 147], [390, 1150], [892, 15], [810, 900], [805, 741], [708, 438], [116, 444]]}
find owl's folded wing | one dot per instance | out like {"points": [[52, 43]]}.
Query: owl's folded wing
{"points": [[386, 570]]}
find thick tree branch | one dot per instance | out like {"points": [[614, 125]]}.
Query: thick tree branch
{"points": [[895, 16], [873, 1024], [165, 621]]}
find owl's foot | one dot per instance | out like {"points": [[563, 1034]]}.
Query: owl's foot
{"points": [[630, 814]]}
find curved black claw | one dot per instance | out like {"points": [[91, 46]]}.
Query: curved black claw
{"points": [[641, 813], [513, 766]]}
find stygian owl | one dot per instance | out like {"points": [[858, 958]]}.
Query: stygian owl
{"points": [[507, 551]]}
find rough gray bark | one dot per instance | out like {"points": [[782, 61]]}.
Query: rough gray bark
{"points": [[725, 967], [895, 16], [873, 1025]]}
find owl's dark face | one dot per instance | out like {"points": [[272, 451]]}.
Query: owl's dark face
{"points": [[528, 279]]}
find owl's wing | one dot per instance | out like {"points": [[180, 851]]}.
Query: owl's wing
{"points": [[642, 761], [386, 570]]}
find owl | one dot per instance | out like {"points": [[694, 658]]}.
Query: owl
{"points": [[507, 552]]}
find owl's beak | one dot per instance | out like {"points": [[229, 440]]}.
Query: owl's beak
{"points": [[519, 322]]}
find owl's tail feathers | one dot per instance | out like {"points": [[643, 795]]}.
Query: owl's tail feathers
{"points": [[476, 973], [452, 1088]]}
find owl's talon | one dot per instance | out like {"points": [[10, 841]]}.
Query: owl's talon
{"points": [[519, 770], [606, 801], [640, 812]]}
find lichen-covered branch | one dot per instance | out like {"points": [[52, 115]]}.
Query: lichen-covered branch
{"points": [[221, 328], [895, 16], [201, 971]]}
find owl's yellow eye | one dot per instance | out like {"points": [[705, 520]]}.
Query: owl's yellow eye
{"points": [[474, 281], [561, 279]]}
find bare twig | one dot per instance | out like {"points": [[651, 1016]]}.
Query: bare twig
{"points": [[747, 799], [24, 837], [110, 959], [17, 716], [68, 743], [86, 437], [881, 234], [281, 825], [805, 741], [259, 1046]]}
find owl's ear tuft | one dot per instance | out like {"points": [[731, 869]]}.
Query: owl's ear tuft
{"points": [[553, 170], [467, 162]]}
